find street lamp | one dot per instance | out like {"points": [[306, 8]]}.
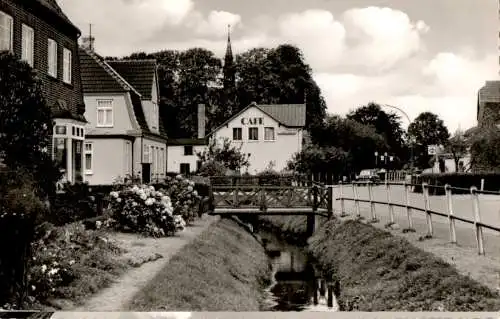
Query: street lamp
{"points": [[409, 122]]}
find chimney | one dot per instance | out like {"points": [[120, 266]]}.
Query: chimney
{"points": [[201, 120]]}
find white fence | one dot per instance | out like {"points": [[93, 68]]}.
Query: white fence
{"points": [[467, 209]]}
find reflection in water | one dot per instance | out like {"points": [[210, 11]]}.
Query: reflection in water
{"points": [[295, 285]]}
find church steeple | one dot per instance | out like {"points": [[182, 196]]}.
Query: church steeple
{"points": [[229, 73]]}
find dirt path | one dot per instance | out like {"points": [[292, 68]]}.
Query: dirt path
{"points": [[120, 293]]}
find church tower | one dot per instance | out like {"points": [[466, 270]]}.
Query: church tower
{"points": [[229, 80]]}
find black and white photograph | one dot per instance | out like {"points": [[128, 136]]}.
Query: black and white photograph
{"points": [[189, 159]]}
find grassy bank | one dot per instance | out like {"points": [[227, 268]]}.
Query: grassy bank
{"points": [[223, 269], [380, 272]]}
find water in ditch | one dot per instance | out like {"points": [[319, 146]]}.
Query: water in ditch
{"points": [[295, 284]]}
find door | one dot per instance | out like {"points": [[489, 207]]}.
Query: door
{"points": [[146, 173]]}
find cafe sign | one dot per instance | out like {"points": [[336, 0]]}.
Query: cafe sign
{"points": [[252, 121]]}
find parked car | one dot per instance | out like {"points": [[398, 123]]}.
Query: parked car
{"points": [[368, 175]]}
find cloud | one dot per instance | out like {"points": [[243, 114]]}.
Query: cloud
{"points": [[317, 33], [383, 36], [215, 24], [125, 23]]}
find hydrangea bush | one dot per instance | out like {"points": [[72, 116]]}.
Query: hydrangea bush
{"points": [[140, 208], [184, 197]]}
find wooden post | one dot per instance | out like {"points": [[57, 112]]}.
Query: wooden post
{"points": [[311, 218], [408, 206], [315, 292], [482, 184], [477, 219], [389, 202], [342, 204], [235, 196], [356, 197], [263, 204], [451, 220], [330, 295], [428, 215], [329, 198], [372, 204]]}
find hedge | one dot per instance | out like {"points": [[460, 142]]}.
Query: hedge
{"points": [[460, 180]]}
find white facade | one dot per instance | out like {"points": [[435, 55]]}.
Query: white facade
{"points": [[181, 157], [151, 109], [264, 138]]}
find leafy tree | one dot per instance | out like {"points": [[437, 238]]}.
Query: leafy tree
{"points": [[279, 75], [386, 124], [485, 149], [458, 146], [427, 129], [358, 140], [25, 124], [224, 152], [313, 159]]}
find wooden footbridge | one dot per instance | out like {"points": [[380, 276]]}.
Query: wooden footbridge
{"points": [[282, 196]]}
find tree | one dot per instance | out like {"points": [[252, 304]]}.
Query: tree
{"points": [[386, 124], [313, 159], [427, 129], [485, 149], [279, 75], [224, 152], [359, 141], [25, 124], [458, 146]]}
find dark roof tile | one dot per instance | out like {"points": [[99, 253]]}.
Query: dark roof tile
{"points": [[139, 73]]}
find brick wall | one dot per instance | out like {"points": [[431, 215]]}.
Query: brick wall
{"points": [[54, 89]]}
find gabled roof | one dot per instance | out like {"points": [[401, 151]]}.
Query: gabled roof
{"points": [[139, 73], [99, 77], [289, 115], [54, 7]]}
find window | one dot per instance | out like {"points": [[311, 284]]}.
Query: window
{"points": [[198, 165], [52, 58], [28, 42], [162, 161], [253, 133], [104, 113], [88, 158], [237, 136], [6, 34], [145, 155], [67, 66], [185, 169], [188, 150], [155, 162], [269, 133]]}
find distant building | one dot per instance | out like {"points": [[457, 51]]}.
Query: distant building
{"points": [[39, 33], [268, 133], [125, 136]]}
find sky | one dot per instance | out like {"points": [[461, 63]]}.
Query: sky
{"points": [[419, 56]]}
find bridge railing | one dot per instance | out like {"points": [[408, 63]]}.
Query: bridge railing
{"points": [[315, 198], [452, 207]]}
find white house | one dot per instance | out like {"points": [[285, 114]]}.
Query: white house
{"points": [[269, 133], [124, 135]]}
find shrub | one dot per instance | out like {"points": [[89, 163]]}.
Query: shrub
{"points": [[184, 197], [78, 202], [144, 210]]}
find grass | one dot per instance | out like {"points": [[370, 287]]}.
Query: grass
{"points": [[223, 269], [380, 272]]}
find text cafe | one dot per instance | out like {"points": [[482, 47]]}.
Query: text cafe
{"points": [[252, 121]]}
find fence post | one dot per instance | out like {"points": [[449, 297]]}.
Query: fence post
{"points": [[408, 206], [391, 208], [235, 196], [428, 216], [477, 220], [451, 219], [356, 196], [342, 206], [330, 200], [372, 204]]}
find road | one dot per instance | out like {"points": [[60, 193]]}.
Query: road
{"points": [[462, 206]]}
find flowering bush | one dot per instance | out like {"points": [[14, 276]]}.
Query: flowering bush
{"points": [[145, 210], [184, 197], [61, 256]]}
